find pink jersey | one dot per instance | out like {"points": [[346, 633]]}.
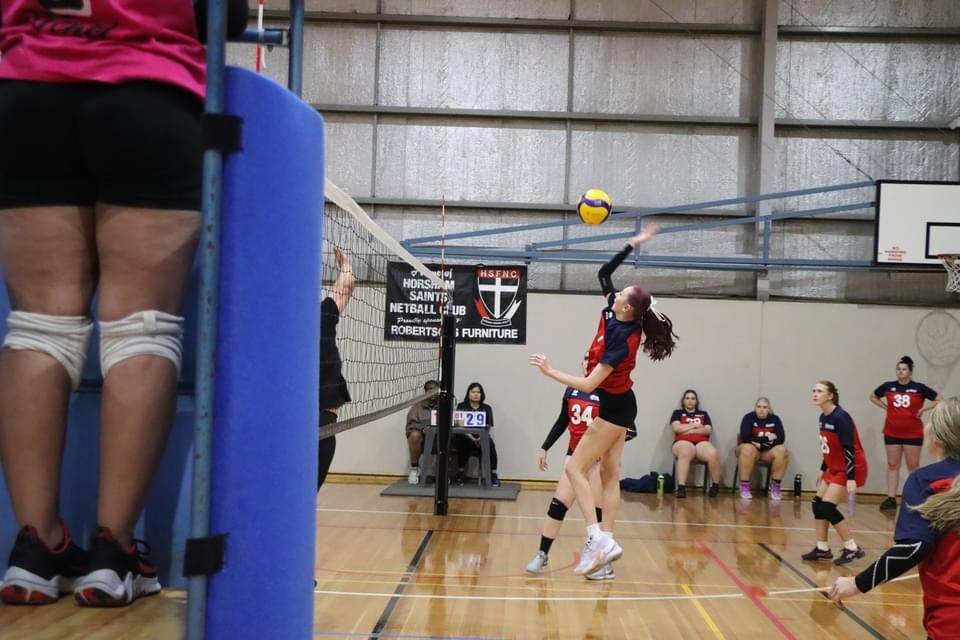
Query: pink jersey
{"points": [[111, 41]]}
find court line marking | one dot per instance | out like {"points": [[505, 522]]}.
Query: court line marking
{"points": [[762, 592], [860, 621], [659, 598], [401, 586], [703, 613], [527, 577], [749, 592], [671, 523]]}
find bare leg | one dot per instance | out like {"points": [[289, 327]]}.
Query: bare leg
{"points": [[780, 459], [610, 479], [564, 493], [599, 437], [746, 459], [912, 455], [685, 452], [145, 258], [708, 453], [836, 493], [894, 456], [50, 265]]}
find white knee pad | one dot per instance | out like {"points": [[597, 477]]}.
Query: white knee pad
{"points": [[144, 333], [63, 338]]}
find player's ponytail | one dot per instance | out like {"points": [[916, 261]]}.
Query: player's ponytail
{"points": [[657, 328], [832, 389], [942, 510], [658, 332]]}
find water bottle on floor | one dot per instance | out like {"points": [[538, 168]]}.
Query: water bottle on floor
{"points": [[797, 485]]}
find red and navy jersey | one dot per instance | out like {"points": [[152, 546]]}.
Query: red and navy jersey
{"points": [[768, 432], [577, 411], [840, 445], [940, 571], [690, 417], [904, 401], [615, 344]]}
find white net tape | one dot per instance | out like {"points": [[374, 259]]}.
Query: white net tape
{"points": [[952, 264]]}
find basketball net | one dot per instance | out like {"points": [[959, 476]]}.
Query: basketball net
{"points": [[952, 265]]}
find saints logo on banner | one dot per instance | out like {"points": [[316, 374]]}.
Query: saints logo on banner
{"points": [[497, 299], [488, 302]]}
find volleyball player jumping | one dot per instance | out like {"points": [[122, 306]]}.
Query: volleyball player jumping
{"points": [[627, 323]]}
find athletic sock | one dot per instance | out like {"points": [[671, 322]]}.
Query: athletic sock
{"points": [[823, 545], [593, 530], [545, 544], [850, 544]]}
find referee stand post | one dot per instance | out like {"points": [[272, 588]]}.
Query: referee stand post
{"points": [[448, 348]]}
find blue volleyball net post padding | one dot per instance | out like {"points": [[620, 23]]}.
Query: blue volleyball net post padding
{"points": [[264, 449]]}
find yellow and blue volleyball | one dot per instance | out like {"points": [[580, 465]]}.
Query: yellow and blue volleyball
{"points": [[594, 206]]}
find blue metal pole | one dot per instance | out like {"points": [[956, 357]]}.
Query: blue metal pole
{"points": [[640, 213], [208, 311], [295, 61]]}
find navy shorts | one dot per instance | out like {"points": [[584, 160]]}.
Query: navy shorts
{"points": [[619, 409], [136, 144]]}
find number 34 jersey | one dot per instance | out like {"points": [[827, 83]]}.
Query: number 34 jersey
{"points": [[904, 401], [582, 408]]}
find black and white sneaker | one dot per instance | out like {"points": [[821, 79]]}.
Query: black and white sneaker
{"points": [[116, 576], [816, 554], [37, 574], [849, 555]]}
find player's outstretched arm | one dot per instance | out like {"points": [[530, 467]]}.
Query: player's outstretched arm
{"points": [[606, 271], [581, 383]]}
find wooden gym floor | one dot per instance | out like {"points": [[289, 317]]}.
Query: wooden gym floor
{"points": [[694, 568]]}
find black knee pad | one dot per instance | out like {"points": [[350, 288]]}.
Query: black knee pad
{"points": [[831, 514], [817, 507], [557, 510]]}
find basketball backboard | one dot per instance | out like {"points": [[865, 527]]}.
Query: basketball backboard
{"points": [[916, 222]]}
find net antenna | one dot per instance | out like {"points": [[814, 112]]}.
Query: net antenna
{"points": [[951, 262], [261, 50], [382, 376]]}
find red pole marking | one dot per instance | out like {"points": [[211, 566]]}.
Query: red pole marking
{"points": [[752, 593]]}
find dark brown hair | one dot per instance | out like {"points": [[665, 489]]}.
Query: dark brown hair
{"points": [[657, 328]]}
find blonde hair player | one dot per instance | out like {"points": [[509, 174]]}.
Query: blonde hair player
{"points": [[927, 532], [844, 469], [628, 323]]}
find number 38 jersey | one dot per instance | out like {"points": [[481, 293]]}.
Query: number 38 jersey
{"points": [[904, 401], [576, 413]]}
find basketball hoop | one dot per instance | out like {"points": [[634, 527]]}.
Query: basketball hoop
{"points": [[951, 262]]}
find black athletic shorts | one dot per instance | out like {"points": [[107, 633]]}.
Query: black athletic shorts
{"points": [[912, 442], [618, 408], [136, 144]]}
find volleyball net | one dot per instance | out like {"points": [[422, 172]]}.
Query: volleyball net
{"points": [[383, 376]]}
